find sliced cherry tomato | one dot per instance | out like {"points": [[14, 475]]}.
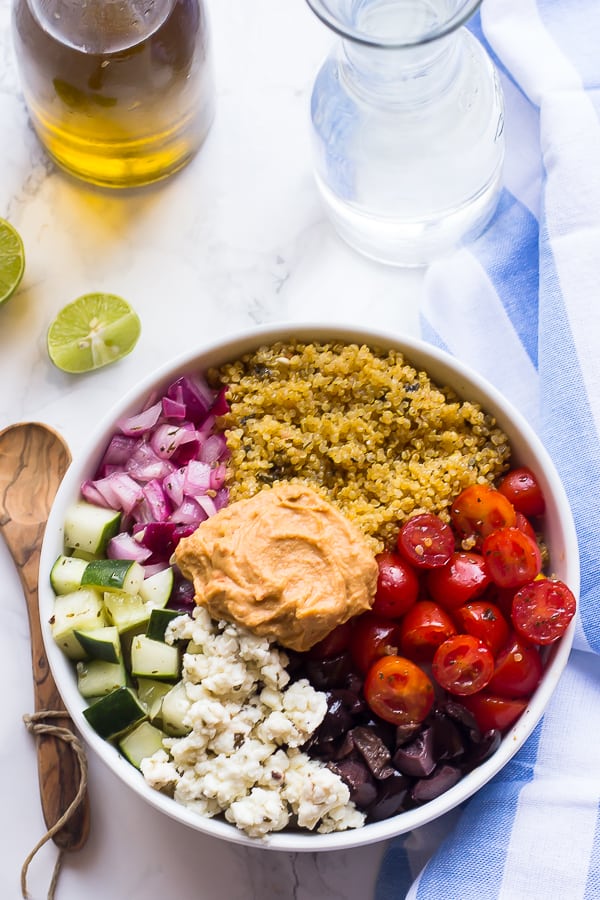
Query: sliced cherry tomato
{"points": [[462, 579], [542, 610], [336, 642], [424, 627], [425, 541], [373, 637], [494, 712], [512, 557], [463, 664], [484, 621], [518, 669], [524, 525], [397, 586], [480, 509], [398, 691], [521, 487]]}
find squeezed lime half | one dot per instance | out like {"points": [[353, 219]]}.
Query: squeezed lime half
{"points": [[12, 260], [92, 331]]}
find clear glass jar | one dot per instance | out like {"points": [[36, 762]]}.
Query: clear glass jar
{"points": [[120, 92], [407, 126]]}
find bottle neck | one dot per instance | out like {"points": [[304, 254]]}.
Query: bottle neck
{"points": [[405, 76], [101, 26]]}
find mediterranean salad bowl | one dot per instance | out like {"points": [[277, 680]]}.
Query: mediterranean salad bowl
{"points": [[309, 587]]}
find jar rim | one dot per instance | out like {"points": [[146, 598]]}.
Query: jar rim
{"points": [[346, 28]]}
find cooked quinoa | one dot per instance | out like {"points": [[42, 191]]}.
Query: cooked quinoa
{"points": [[374, 435]]}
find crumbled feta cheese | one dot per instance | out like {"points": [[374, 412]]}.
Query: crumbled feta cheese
{"points": [[314, 791], [159, 771], [259, 812], [247, 721]]}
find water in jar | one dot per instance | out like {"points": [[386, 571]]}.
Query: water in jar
{"points": [[408, 141], [124, 95]]}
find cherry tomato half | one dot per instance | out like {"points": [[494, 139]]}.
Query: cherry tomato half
{"points": [[398, 691], [484, 621], [463, 664], [373, 637], [524, 525], [462, 579], [424, 627], [512, 557], [518, 669], [397, 586], [542, 610], [494, 712], [480, 509], [336, 642], [425, 541], [521, 487]]}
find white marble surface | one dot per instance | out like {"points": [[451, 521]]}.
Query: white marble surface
{"points": [[238, 238]]}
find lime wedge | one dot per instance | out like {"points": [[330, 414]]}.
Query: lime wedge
{"points": [[92, 331], [12, 260]]}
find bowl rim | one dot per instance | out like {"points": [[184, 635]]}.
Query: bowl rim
{"points": [[442, 368]]}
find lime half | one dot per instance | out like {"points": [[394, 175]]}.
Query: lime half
{"points": [[92, 331], [12, 260]]}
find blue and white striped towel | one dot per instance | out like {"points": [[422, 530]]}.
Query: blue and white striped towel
{"points": [[529, 290]]}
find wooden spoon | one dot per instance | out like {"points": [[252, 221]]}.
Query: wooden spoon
{"points": [[33, 460]]}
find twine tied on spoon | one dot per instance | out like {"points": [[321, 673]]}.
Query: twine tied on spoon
{"points": [[37, 724]]}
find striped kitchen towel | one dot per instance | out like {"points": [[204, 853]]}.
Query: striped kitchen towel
{"points": [[522, 306]]}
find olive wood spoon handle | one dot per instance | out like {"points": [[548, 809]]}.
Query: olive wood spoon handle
{"points": [[33, 461]]}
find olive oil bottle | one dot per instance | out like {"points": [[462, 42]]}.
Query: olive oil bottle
{"points": [[120, 92]]}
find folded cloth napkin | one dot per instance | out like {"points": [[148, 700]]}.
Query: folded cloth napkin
{"points": [[522, 306]]}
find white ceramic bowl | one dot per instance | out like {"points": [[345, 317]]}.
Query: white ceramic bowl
{"points": [[559, 533]]}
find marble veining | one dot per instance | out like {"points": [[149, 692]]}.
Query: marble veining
{"points": [[237, 239]]}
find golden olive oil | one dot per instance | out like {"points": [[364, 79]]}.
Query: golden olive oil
{"points": [[120, 93]]}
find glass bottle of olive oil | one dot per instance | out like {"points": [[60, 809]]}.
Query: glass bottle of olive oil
{"points": [[120, 92]]}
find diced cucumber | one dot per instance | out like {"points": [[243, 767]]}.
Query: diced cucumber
{"points": [[101, 643], [115, 575], [96, 677], [154, 659], [150, 694], [80, 610], [89, 527], [156, 589], [66, 573], [84, 555], [115, 713], [159, 619], [142, 742], [174, 709], [127, 611]]}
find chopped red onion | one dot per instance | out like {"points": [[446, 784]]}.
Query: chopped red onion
{"points": [[142, 422], [212, 448], [217, 476], [208, 505], [173, 486], [197, 478], [189, 513], [157, 501], [119, 490], [125, 546], [165, 469], [173, 409], [145, 465], [91, 493], [166, 438], [119, 450]]}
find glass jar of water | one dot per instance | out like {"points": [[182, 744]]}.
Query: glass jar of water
{"points": [[407, 127]]}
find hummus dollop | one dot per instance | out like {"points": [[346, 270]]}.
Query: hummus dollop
{"points": [[284, 563]]}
